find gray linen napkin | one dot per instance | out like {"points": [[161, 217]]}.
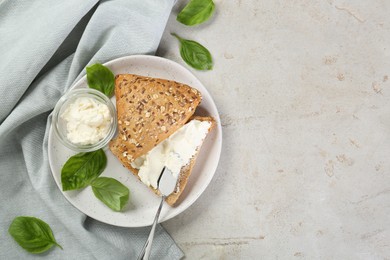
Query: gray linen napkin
{"points": [[44, 47]]}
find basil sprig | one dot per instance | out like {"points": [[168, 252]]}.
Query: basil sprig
{"points": [[196, 12], [32, 234], [195, 54], [84, 169], [101, 78], [81, 169], [111, 192]]}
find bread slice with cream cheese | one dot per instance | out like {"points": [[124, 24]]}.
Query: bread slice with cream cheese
{"points": [[186, 170]]}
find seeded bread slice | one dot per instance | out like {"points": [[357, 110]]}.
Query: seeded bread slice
{"points": [[185, 171], [149, 110]]}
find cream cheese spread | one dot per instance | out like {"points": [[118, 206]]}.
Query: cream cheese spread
{"points": [[173, 153], [87, 121]]}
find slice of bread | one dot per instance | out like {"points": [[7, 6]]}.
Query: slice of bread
{"points": [[149, 110], [185, 171]]}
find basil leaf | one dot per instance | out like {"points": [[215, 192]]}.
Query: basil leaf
{"points": [[196, 12], [111, 192], [101, 78], [32, 234], [194, 54], [81, 169]]}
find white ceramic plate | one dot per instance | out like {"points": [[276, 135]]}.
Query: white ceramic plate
{"points": [[143, 203]]}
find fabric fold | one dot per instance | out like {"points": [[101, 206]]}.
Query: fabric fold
{"points": [[30, 33], [47, 39]]}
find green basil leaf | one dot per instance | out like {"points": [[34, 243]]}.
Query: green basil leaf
{"points": [[81, 169], [194, 54], [32, 234], [196, 12], [111, 192], [101, 78]]}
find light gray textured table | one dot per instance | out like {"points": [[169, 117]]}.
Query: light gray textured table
{"points": [[303, 92]]}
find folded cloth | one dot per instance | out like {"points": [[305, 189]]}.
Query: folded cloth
{"points": [[44, 47]]}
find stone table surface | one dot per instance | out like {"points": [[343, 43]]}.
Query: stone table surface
{"points": [[303, 92]]}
